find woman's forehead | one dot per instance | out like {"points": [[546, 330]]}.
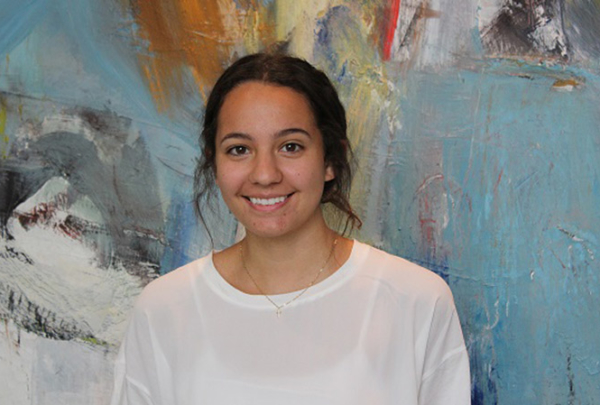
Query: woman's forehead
{"points": [[257, 105]]}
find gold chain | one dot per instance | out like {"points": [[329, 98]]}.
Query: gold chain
{"points": [[279, 308]]}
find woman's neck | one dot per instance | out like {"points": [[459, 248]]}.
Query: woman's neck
{"points": [[288, 263]]}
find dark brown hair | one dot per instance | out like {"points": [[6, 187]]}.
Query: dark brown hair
{"points": [[301, 76]]}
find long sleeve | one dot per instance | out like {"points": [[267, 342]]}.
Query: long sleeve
{"points": [[446, 376], [135, 376]]}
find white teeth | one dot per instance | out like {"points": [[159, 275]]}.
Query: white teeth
{"points": [[267, 201]]}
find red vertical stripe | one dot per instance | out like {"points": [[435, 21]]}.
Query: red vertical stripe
{"points": [[391, 31]]}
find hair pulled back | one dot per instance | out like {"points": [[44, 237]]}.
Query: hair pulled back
{"points": [[299, 75]]}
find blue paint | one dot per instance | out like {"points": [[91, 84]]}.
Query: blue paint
{"points": [[520, 170], [18, 19], [181, 226], [440, 269]]}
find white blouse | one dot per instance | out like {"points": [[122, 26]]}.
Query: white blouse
{"points": [[380, 330]]}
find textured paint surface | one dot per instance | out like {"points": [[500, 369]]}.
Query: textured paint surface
{"points": [[475, 126], [186, 35]]}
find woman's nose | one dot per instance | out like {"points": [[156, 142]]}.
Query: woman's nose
{"points": [[265, 170]]}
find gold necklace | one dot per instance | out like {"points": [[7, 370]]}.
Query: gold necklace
{"points": [[279, 308]]}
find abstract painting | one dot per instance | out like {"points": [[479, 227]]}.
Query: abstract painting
{"points": [[475, 125]]}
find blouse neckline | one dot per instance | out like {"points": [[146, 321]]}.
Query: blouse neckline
{"points": [[228, 292]]}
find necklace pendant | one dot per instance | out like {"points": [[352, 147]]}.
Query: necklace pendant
{"points": [[279, 310]]}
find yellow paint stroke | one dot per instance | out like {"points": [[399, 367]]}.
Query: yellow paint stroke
{"points": [[297, 22], [370, 95], [198, 37], [3, 134]]}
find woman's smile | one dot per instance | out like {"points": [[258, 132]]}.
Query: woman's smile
{"points": [[268, 201]]}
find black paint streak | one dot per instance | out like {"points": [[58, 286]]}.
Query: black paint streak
{"points": [[10, 253], [94, 120], [38, 320], [11, 301], [511, 32], [572, 396]]}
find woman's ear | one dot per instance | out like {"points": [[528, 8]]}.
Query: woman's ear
{"points": [[329, 172]]}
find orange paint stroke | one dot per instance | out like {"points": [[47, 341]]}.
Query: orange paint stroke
{"points": [[195, 37], [566, 84]]}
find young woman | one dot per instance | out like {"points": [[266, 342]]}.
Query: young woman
{"points": [[294, 313]]}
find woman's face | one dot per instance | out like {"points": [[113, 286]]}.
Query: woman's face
{"points": [[269, 159]]}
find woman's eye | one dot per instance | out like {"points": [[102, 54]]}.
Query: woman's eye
{"points": [[237, 150], [291, 147]]}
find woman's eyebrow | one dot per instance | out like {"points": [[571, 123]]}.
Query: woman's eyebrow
{"points": [[282, 133], [289, 131], [236, 135]]}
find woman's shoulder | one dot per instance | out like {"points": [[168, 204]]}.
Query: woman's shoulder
{"points": [[175, 285], [400, 275]]}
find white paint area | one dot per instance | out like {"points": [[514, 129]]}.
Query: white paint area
{"points": [[406, 14], [443, 31], [486, 12], [549, 34], [564, 88], [39, 371], [64, 277], [446, 28], [16, 357]]}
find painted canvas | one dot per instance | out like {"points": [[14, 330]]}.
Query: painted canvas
{"points": [[475, 125]]}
